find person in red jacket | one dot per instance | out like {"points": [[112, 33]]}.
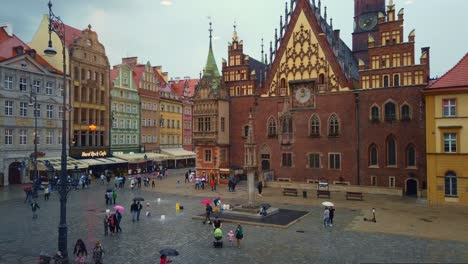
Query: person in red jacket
{"points": [[213, 185]]}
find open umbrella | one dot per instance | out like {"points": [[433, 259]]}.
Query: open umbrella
{"points": [[206, 201], [327, 204], [27, 187], [109, 190], [119, 208], [139, 199], [265, 205], [169, 252]]}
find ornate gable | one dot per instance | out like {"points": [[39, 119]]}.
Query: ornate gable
{"points": [[305, 53]]}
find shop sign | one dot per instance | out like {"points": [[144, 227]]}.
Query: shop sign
{"points": [[93, 154]]}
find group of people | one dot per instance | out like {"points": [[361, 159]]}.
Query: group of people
{"points": [[80, 252], [112, 222], [238, 234], [135, 210], [110, 196]]}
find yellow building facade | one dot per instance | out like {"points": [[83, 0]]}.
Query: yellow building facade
{"points": [[447, 136], [171, 128]]}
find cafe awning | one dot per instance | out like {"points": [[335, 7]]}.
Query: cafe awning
{"points": [[103, 161], [55, 162], [140, 157], [179, 153]]}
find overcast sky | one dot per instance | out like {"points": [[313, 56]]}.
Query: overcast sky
{"points": [[174, 33]]}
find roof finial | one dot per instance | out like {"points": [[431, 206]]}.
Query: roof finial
{"points": [[320, 6], [235, 37], [286, 13], [89, 27], [325, 14], [276, 39], [331, 22], [262, 50], [281, 26], [211, 31]]}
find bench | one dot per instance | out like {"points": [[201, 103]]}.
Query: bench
{"points": [[290, 192], [354, 195], [323, 193]]}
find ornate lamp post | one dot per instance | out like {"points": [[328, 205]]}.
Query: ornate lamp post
{"points": [[146, 164], [56, 25], [33, 102]]}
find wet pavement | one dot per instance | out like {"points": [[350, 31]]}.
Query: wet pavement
{"points": [[22, 239]]}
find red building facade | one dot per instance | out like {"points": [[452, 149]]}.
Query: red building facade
{"points": [[323, 112]]}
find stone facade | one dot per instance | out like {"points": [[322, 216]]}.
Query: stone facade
{"points": [[25, 75], [171, 107]]}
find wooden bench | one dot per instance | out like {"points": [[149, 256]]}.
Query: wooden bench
{"points": [[289, 191], [354, 195], [323, 193]]}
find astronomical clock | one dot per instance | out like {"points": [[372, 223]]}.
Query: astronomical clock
{"points": [[302, 95]]}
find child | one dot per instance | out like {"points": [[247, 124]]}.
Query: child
{"points": [[231, 238], [153, 184]]}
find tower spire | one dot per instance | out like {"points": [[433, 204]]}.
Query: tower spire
{"points": [[262, 51], [235, 37], [211, 69]]}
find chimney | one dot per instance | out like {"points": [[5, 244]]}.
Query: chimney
{"points": [[132, 61], [8, 28], [32, 53]]}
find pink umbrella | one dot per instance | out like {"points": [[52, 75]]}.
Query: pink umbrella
{"points": [[207, 201], [119, 208]]}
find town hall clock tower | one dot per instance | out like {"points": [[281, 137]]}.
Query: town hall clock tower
{"points": [[366, 14]]}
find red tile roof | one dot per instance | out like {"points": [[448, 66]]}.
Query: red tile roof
{"points": [[179, 86], [71, 34], [113, 73], [8, 43], [138, 71], [159, 77], [455, 77]]}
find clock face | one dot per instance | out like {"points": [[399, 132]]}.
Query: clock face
{"points": [[368, 21], [303, 95]]}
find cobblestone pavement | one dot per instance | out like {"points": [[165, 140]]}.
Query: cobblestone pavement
{"points": [[22, 239]]}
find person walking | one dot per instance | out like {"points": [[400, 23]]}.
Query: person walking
{"points": [[153, 183], [98, 253], [332, 214], [139, 207], [102, 178], [217, 223], [239, 234], [139, 181], [34, 207], [114, 195], [133, 210], [28, 193], [326, 217], [80, 251], [106, 196], [186, 177], [260, 187], [46, 193], [105, 220], [118, 219], [111, 221], [209, 211], [213, 184], [132, 184]]}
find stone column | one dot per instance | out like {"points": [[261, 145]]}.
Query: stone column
{"points": [[250, 186]]}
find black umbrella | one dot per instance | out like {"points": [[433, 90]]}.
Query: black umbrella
{"points": [[265, 205], [169, 252], [139, 199], [109, 190]]}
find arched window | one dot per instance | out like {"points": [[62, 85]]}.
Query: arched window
{"points": [[405, 112], [410, 156], [396, 80], [373, 158], [375, 115], [451, 184], [283, 83], [246, 131], [386, 81], [286, 125], [271, 127], [391, 152], [390, 111], [333, 126], [315, 126], [321, 78]]}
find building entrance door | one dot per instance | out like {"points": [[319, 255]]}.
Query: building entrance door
{"points": [[14, 173], [411, 187]]}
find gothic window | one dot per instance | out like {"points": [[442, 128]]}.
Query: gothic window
{"points": [[405, 112], [391, 152], [321, 78], [207, 124], [410, 156], [200, 124], [245, 132], [390, 111], [375, 115], [333, 126], [286, 160], [283, 83], [386, 81], [271, 127], [396, 80], [315, 126], [373, 155], [286, 125]]}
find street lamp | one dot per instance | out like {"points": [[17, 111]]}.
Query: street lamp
{"points": [[56, 25], [146, 164], [33, 102]]}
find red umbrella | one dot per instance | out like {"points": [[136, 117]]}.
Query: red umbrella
{"points": [[206, 201], [27, 187]]}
